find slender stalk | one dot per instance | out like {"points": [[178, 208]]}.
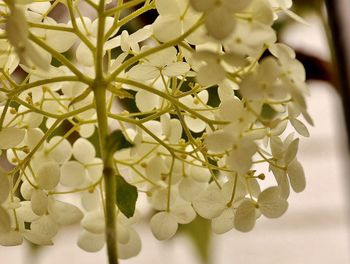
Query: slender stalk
{"points": [[108, 175], [59, 57], [153, 50], [99, 88], [127, 5]]}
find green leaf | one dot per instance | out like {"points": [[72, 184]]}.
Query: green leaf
{"points": [[117, 141], [267, 112], [199, 231], [126, 196]]}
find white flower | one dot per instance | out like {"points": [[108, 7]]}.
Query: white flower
{"points": [[48, 175], [240, 41], [214, 71], [263, 84], [129, 42], [164, 62], [198, 102], [10, 137], [220, 21], [83, 53], [269, 203], [165, 224], [285, 155], [59, 40], [208, 108], [194, 181], [92, 238], [17, 33], [175, 18]]}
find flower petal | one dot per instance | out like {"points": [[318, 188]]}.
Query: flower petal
{"points": [[143, 72], [83, 150], [224, 222], [167, 28], [45, 226], [10, 239], [132, 248], [64, 213], [211, 74], [163, 225], [10, 137], [296, 176], [176, 69], [183, 213], [245, 216], [94, 222], [39, 202], [209, 204], [72, 174], [48, 175], [271, 204], [91, 242]]}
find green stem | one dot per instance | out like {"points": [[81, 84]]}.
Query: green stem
{"points": [[22, 88], [127, 5], [153, 50], [108, 175], [99, 87], [61, 58], [174, 101]]}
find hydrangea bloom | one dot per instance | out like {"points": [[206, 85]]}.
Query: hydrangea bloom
{"points": [[213, 92]]}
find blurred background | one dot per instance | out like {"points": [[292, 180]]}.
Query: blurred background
{"points": [[315, 229]]}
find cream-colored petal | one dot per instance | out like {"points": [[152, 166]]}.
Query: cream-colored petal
{"points": [[163, 225], [296, 176], [73, 174], [245, 216], [211, 74], [167, 28], [132, 248], [37, 238], [220, 23], [94, 222], [39, 202], [219, 141], [90, 200], [209, 204], [45, 226], [291, 151], [83, 150], [176, 69], [64, 213], [10, 137], [48, 175], [143, 72], [224, 222], [10, 239], [271, 204], [91, 242], [300, 127], [190, 189], [183, 213]]}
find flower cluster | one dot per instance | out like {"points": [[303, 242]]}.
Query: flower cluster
{"points": [[212, 92]]}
